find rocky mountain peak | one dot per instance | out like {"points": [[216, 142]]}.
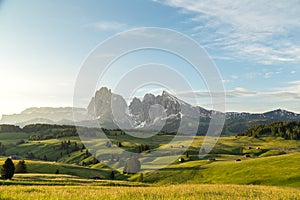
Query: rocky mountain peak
{"points": [[151, 109], [149, 98], [100, 107]]}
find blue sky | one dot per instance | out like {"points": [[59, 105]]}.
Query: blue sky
{"points": [[254, 44]]}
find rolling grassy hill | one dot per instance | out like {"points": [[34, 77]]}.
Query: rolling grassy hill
{"points": [[43, 167], [271, 161], [276, 170]]}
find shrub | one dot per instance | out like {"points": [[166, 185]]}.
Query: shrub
{"points": [[21, 167], [20, 142]]}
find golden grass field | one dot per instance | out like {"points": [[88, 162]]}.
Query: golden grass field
{"points": [[182, 191]]}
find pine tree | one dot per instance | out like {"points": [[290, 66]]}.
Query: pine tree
{"points": [[187, 154], [112, 175], [120, 144], [75, 146], [8, 169], [141, 178]]}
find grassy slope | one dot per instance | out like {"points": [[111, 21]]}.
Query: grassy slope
{"points": [[226, 146], [50, 148], [12, 138], [278, 170], [63, 179], [79, 171]]}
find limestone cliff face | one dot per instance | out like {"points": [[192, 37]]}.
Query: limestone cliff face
{"points": [[136, 108], [100, 107], [166, 112], [151, 110]]}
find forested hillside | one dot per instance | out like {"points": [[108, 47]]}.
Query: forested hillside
{"points": [[286, 130]]}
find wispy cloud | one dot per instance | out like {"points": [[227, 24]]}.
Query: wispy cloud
{"points": [[108, 25], [289, 92], [263, 31], [237, 92]]}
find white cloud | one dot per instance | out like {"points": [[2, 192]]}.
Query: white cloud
{"points": [[289, 92], [268, 74], [108, 26], [263, 31], [292, 91], [234, 76], [226, 81]]}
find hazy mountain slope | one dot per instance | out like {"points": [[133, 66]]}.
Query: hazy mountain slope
{"points": [[42, 115]]}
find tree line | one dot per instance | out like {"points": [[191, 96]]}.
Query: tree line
{"points": [[50, 131], [286, 130]]}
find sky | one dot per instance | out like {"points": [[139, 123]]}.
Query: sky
{"points": [[254, 44]]}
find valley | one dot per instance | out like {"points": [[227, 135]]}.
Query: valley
{"points": [[263, 153], [271, 169]]}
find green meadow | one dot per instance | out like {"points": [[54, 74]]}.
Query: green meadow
{"points": [[269, 171]]}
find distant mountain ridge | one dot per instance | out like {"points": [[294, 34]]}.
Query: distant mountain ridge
{"points": [[172, 105], [162, 112], [278, 114], [47, 115]]}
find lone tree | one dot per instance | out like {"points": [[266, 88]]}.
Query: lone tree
{"points": [[112, 175], [187, 154], [141, 178], [8, 169], [21, 167]]}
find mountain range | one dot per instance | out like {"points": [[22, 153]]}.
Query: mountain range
{"points": [[151, 111], [45, 115], [163, 112]]}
